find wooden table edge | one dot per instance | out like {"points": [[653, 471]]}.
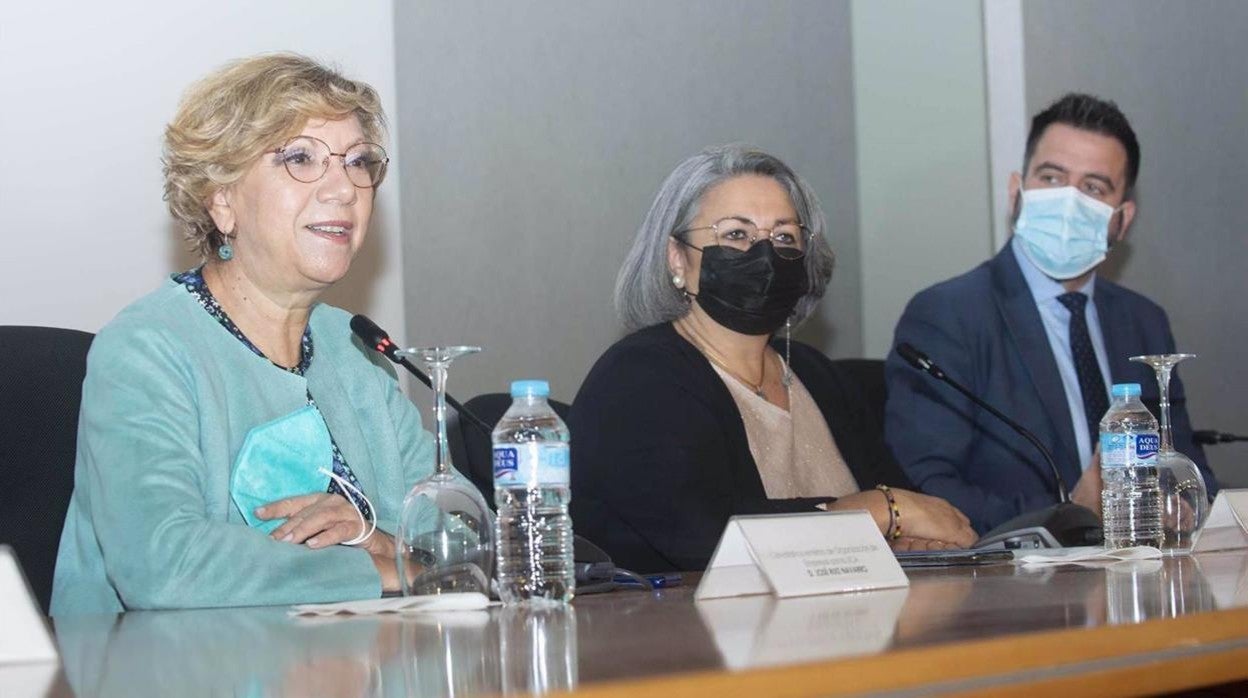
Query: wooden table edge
{"points": [[1154, 656]]}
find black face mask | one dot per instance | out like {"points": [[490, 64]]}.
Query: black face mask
{"points": [[750, 292]]}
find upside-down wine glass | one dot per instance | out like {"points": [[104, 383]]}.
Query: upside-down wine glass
{"points": [[1185, 499], [445, 537]]}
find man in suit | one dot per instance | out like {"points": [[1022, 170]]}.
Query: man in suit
{"points": [[1035, 332]]}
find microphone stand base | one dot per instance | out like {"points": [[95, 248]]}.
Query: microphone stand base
{"points": [[1066, 525]]}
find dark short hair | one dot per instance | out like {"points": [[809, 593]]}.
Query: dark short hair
{"points": [[1088, 113]]}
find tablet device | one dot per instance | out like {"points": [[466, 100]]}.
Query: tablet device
{"points": [[950, 558]]}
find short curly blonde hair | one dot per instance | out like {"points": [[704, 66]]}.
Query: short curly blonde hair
{"points": [[234, 115]]}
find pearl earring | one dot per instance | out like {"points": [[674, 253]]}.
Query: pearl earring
{"points": [[678, 281]]}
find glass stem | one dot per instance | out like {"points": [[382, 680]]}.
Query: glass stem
{"points": [[437, 369], [1163, 387]]}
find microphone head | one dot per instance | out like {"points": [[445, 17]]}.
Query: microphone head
{"points": [[905, 350], [919, 360], [373, 336]]}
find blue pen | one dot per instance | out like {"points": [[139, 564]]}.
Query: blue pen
{"points": [[657, 581]]}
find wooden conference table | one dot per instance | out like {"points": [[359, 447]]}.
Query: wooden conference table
{"points": [[1127, 628]]}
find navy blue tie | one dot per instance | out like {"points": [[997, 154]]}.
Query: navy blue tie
{"points": [[1091, 383]]}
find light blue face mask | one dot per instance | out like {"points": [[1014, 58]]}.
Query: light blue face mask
{"points": [[1063, 231], [287, 457]]}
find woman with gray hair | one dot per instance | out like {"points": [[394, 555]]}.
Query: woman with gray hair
{"points": [[237, 445], [700, 415]]}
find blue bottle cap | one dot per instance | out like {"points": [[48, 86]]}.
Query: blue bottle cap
{"points": [[1125, 390], [533, 388]]}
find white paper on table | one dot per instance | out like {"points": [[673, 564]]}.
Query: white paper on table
{"points": [[460, 601], [24, 637], [1089, 554], [1224, 527]]}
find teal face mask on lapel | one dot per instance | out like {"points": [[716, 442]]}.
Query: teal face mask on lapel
{"points": [[287, 457]]}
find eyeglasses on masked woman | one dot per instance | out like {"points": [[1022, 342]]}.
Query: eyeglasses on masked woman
{"points": [[790, 239]]}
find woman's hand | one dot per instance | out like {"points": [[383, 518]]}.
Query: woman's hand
{"points": [[321, 520], [922, 517], [387, 568], [907, 543], [932, 518]]}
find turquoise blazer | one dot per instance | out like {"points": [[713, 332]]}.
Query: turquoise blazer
{"points": [[168, 398]]}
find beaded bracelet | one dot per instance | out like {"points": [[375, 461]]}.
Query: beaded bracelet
{"points": [[894, 513]]}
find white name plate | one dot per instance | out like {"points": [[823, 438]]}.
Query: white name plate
{"points": [[1224, 528], [24, 637], [800, 555]]}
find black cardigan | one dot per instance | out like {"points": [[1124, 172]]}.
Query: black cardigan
{"points": [[660, 458]]}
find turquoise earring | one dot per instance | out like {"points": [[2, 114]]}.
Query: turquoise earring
{"points": [[226, 250]]}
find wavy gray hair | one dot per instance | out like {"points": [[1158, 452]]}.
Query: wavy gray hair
{"points": [[644, 294]]}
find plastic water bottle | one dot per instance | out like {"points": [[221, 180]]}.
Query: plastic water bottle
{"points": [[534, 531], [1131, 491]]}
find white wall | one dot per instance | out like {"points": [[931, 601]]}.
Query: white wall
{"points": [[920, 109], [88, 89], [1008, 120], [537, 133]]}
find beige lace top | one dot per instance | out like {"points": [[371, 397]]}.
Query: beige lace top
{"points": [[793, 449]]}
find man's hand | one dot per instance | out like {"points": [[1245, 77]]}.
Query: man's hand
{"points": [[1088, 490]]}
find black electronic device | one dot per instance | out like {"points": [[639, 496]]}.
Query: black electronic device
{"points": [[1062, 525], [952, 558], [595, 572]]}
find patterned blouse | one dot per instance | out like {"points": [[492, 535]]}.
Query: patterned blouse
{"points": [[193, 281]]}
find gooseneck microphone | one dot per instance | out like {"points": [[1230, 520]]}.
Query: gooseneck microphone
{"points": [[919, 360], [376, 338], [379, 339], [1063, 524], [1209, 437]]}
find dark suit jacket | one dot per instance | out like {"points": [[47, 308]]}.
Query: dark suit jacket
{"points": [[984, 329], [660, 458]]}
